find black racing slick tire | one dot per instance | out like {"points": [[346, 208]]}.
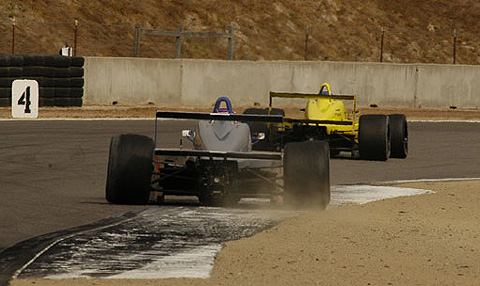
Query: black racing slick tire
{"points": [[46, 92], [306, 171], [4, 60], [76, 72], [129, 169], [399, 136], [46, 102], [6, 82], [78, 102], [33, 60], [62, 73], [5, 92], [4, 102], [61, 101], [33, 71], [374, 137], [77, 61], [16, 61], [4, 71]]}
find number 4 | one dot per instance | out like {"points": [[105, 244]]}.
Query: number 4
{"points": [[25, 100]]}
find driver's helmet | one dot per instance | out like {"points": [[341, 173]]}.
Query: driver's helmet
{"points": [[226, 109]]}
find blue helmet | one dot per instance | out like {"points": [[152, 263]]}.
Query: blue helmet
{"points": [[217, 108]]}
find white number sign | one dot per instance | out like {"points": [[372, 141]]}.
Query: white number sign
{"points": [[25, 98]]}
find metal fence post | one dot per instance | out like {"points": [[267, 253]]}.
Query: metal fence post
{"points": [[455, 34], [306, 43], [178, 52], [14, 22], [381, 44], [136, 40], [231, 43], [75, 38]]}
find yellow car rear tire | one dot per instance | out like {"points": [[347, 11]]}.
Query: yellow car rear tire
{"points": [[399, 136], [374, 137]]}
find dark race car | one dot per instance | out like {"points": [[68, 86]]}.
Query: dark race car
{"points": [[220, 168]]}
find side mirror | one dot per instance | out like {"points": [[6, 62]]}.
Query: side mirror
{"points": [[189, 134], [258, 136]]}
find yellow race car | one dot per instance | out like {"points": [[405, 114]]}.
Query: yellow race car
{"points": [[370, 137]]}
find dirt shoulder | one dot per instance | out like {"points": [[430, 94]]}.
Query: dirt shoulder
{"points": [[430, 239], [148, 111]]}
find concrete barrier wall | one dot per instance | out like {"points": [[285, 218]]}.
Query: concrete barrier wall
{"points": [[131, 81], [200, 82]]}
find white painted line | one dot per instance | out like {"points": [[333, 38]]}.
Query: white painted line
{"points": [[197, 263], [362, 194], [429, 180], [443, 121], [358, 194], [19, 271]]}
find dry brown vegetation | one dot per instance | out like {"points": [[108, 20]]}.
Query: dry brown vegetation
{"points": [[340, 30]]}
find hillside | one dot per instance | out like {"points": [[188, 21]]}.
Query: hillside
{"points": [[339, 30]]}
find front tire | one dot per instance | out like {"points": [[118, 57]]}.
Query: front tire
{"points": [[374, 137], [129, 169], [307, 174]]}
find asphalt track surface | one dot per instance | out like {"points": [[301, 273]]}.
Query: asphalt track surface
{"points": [[53, 172]]}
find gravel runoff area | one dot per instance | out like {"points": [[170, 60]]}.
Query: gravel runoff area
{"points": [[431, 239]]}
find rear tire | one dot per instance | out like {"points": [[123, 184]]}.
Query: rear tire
{"points": [[374, 137], [399, 136], [129, 169], [307, 174]]}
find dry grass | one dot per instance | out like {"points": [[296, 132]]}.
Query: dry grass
{"points": [[340, 30]]}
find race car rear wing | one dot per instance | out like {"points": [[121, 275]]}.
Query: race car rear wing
{"points": [[313, 96], [318, 122], [219, 116]]}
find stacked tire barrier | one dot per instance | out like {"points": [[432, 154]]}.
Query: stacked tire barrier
{"points": [[60, 79]]}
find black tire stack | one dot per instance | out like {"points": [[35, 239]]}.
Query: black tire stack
{"points": [[60, 79]]}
